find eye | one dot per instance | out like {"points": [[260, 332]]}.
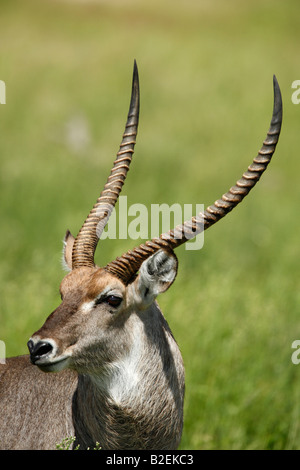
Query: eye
{"points": [[113, 300]]}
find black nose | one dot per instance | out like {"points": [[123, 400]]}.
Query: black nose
{"points": [[39, 350]]}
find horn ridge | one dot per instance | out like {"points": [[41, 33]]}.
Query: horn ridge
{"points": [[126, 266]]}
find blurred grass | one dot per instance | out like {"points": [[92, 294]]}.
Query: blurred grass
{"points": [[206, 99]]}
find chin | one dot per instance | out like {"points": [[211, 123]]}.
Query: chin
{"points": [[55, 366]]}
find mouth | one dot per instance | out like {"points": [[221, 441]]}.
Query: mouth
{"points": [[55, 365]]}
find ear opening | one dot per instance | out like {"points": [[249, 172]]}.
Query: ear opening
{"points": [[157, 274], [67, 251]]}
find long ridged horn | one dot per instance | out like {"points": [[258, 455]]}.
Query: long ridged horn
{"points": [[87, 239], [129, 263]]}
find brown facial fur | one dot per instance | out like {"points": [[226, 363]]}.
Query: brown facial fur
{"points": [[70, 321]]}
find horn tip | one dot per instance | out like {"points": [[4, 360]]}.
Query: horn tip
{"points": [[277, 110], [135, 95]]}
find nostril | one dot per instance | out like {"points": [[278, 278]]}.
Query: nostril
{"points": [[43, 348], [38, 350]]}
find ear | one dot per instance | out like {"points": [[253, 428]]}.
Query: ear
{"points": [[67, 251], [156, 275]]}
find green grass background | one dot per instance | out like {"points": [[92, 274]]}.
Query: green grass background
{"points": [[206, 99]]}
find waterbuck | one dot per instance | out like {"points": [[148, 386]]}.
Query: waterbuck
{"points": [[118, 375]]}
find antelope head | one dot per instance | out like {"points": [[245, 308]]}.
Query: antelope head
{"points": [[95, 321]]}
